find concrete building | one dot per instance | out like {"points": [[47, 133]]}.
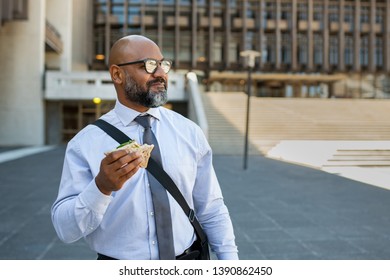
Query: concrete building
{"points": [[53, 53], [36, 35]]}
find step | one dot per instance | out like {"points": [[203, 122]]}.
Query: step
{"points": [[277, 119]]}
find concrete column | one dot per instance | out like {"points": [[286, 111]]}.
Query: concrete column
{"points": [[59, 14], [126, 18], [260, 19], [22, 52], [278, 35], [194, 34], [371, 41], [228, 30], [177, 33], [294, 37], [160, 23], [244, 25], [387, 37], [356, 38], [107, 31], [326, 37], [211, 33], [142, 17], [341, 36], [310, 47], [81, 26]]}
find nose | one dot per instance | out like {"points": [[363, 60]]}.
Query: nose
{"points": [[159, 71]]}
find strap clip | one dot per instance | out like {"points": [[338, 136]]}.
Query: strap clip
{"points": [[191, 215]]}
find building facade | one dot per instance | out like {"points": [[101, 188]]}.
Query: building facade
{"points": [[292, 35], [309, 48]]}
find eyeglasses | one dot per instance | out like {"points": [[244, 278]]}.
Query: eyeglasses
{"points": [[151, 65]]}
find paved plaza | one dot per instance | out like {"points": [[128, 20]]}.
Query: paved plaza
{"points": [[279, 211]]}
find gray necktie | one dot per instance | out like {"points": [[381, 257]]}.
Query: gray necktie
{"points": [[162, 211]]}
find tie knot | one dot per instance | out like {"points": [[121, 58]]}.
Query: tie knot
{"points": [[144, 121]]}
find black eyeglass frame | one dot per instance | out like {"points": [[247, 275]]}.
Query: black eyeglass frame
{"points": [[144, 61]]}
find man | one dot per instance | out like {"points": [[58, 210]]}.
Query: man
{"points": [[107, 200]]}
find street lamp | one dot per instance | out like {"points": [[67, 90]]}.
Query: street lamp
{"points": [[251, 56]]}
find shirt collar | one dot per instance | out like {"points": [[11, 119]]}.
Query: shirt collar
{"points": [[127, 115]]}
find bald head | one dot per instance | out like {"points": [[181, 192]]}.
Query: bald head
{"points": [[132, 47]]}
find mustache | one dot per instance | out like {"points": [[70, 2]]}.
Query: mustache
{"points": [[157, 80]]}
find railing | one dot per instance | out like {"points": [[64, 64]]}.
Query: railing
{"points": [[78, 85], [53, 38], [195, 105]]}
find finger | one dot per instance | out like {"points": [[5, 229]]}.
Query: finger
{"points": [[129, 168], [115, 155], [130, 173], [125, 160]]}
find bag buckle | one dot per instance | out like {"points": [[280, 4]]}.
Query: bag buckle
{"points": [[191, 215]]}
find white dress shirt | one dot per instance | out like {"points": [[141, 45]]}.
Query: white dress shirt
{"points": [[122, 225]]}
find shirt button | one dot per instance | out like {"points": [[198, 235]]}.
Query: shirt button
{"points": [[152, 213], [154, 242]]}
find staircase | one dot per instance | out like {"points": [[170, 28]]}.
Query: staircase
{"points": [[347, 137], [276, 119]]}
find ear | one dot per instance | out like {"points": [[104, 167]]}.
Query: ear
{"points": [[117, 75]]}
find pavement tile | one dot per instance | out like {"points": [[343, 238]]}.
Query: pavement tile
{"points": [[279, 211]]}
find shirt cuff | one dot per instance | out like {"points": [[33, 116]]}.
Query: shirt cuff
{"points": [[94, 199], [227, 256]]}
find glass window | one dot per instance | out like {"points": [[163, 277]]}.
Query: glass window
{"points": [[365, 14], [270, 42], [168, 44], [333, 50], [364, 50], [302, 11], [270, 10], [218, 47], [286, 48], [379, 51], [333, 13], [348, 54], [286, 12], [302, 48], [185, 46], [318, 49]]}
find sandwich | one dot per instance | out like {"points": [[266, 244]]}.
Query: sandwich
{"points": [[133, 146]]}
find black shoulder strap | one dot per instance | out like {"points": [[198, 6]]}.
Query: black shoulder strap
{"points": [[158, 172]]}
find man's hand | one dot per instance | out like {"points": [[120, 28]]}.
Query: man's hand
{"points": [[115, 169]]}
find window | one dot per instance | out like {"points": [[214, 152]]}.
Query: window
{"points": [[349, 12], [302, 11], [318, 48], [379, 51], [333, 50], [318, 14], [348, 53], [270, 10], [286, 48], [270, 55], [333, 13], [365, 14], [302, 48], [364, 51]]}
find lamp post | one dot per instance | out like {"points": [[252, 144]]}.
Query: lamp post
{"points": [[98, 103], [251, 56]]}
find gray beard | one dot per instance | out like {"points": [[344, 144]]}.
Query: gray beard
{"points": [[144, 97]]}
